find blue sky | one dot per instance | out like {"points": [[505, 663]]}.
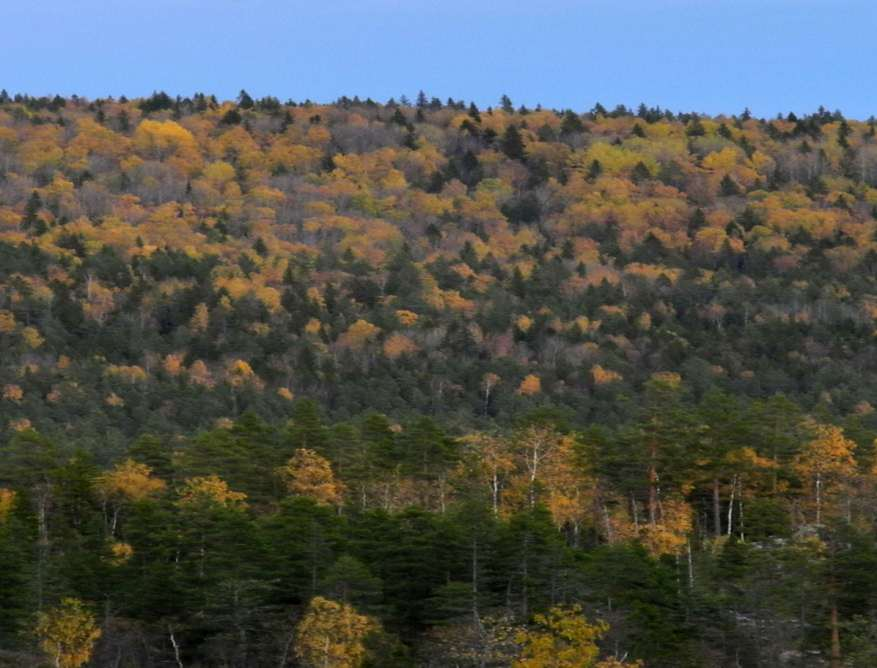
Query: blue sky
{"points": [[690, 55]]}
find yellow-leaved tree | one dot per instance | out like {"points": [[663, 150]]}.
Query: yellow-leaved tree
{"points": [[534, 449], [309, 474], [127, 482], [209, 491], [200, 319], [826, 462], [492, 460], [332, 635], [564, 638], [67, 633]]}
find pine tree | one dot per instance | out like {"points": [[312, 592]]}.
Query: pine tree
{"points": [[399, 118], [231, 117], [695, 128], [697, 221], [30, 220], [512, 143], [843, 134], [595, 169], [571, 123], [245, 101], [640, 173], [728, 187]]}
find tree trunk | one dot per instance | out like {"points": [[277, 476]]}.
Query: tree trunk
{"points": [[525, 575], [494, 489], [731, 506], [475, 616], [835, 638], [610, 534], [653, 495], [690, 567], [42, 544], [442, 494], [176, 647], [717, 509], [286, 646], [740, 507]]}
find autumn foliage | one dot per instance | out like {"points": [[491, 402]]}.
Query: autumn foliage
{"points": [[422, 383]]}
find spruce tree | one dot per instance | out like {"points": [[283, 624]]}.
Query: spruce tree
{"points": [[245, 101], [571, 123], [31, 209], [512, 143]]}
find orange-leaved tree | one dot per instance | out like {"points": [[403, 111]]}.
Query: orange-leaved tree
{"points": [[309, 474]]}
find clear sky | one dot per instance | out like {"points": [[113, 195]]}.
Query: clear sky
{"points": [[688, 55]]}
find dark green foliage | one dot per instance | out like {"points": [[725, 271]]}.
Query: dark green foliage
{"points": [[245, 101], [656, 623], [231, 117], [158, 101], [640, 173], [512, 144], [17, 547], [728, 187]]}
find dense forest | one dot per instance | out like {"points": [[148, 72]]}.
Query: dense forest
{"points": [[418, 383]]}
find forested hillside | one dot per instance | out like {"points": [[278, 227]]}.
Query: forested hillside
{"points": [[418, 383]]}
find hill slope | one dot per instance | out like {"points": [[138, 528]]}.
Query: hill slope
{"points": [[423, 384], [429, 258]]}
